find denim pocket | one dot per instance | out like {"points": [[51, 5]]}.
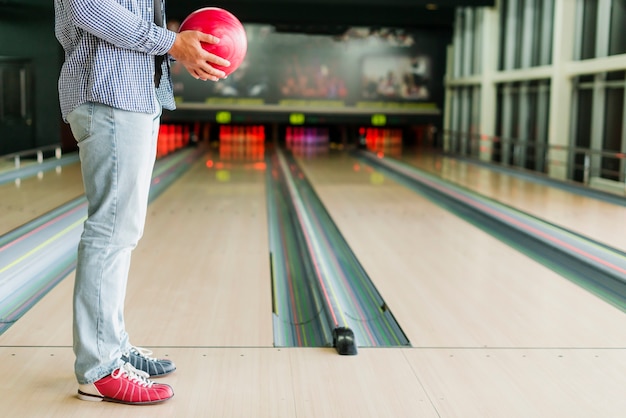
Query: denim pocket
{"points": [[80, 120]]}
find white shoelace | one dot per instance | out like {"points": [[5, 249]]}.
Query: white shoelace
{"points": [[133, 374], [142, 352]]}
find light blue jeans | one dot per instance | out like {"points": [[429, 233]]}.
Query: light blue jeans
{"points": [[117, 151]]}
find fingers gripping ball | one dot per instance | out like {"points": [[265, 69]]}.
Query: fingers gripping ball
{"points": [[233, 43]]}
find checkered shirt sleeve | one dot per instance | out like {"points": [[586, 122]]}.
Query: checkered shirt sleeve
{"points": [[109, 55]]}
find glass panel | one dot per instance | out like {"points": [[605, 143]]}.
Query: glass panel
{"points": [[458, 43], [617, 37], [467, 120], [536, 37], [534, 32], [519, 36], [532, 99], [475, 121], [497, 146], [510, 34], [475, 40], [515, 121], [583, 125], [583, 130], [454, 120], [515, 94], [547, 18], [612, 141], [501, 41], [616, 76], [587, 78], [468, 41], [543, 111], [590, 16]]}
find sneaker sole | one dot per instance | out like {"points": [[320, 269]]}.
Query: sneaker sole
{"points": [[95, 398]]}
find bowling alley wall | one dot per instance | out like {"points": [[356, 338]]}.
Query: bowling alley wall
{"points": [[363, 71], [364, 76], [30, 58]]}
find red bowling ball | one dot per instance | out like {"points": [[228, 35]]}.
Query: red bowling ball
{"points": [[233, 43]]}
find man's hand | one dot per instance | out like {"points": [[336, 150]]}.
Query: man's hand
{"points": [[187, 50]]}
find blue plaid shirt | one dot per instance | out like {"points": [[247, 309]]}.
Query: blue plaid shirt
{"points": [[109, 55]]}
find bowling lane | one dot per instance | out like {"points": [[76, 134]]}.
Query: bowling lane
{"points": [[29, 198], [200, 293], [229, 382], [493, 332], [191, 298], [584, 215], [200, 276], [448, 283]]}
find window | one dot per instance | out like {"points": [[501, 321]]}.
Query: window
{"points": [[617, 37], [522, 123], [526, 33]]}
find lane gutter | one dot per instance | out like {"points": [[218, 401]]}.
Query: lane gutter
{"points": [[352, 310]]}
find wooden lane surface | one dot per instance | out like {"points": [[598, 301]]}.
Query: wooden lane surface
{"points": [[200, 276], [200, 294], [522, 383], [32, 197], [378, 383], [448, 283], [267, 382], [312, 383], [230, 382], [586, 216], [496, 333]]}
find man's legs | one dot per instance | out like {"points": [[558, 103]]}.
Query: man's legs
{"points": [[117, 152]]}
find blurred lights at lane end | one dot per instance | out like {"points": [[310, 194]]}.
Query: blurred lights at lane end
{"points": [[379, 119], [377, 178], [259, 166], [223, 117], [222, 175]]}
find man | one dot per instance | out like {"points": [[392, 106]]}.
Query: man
{"points": [[111, 93]]}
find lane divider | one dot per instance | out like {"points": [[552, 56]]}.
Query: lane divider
{"points": [[312, 254]]}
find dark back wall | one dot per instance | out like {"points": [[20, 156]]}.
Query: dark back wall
{"points": [[30, 36]]}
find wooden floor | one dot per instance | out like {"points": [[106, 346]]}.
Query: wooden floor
{"points": [[493, 333]]}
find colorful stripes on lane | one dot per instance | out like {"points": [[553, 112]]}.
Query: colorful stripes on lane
{"points": [[37, 256], [38, 259], [300, 319], [592, 265], [318, 281]]}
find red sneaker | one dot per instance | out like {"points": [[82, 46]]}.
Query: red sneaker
{"points": [[126, 385]]}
